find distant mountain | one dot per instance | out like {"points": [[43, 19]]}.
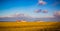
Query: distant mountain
{"points": [[28, 19]]}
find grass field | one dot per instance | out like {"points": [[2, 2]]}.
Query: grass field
{"points": [[29, 26]]}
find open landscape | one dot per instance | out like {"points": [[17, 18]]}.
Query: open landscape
{"points": [[29, 26], [29, 15]]}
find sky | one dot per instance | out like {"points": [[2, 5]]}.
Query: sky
{"points": [[29, 7]]}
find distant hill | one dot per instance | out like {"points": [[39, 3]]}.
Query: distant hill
{"points": [[28, 19]]}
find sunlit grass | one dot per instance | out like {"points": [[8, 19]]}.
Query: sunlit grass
{"points": [[28, 26]]}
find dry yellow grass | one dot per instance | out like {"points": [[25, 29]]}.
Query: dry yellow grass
{"points": [[27, 26]]}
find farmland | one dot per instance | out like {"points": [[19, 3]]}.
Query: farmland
{"points": [[29, 26]]}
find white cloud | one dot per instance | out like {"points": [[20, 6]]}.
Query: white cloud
{"points": [[40, 16], [16, 15], [26, 15], [45, 11], [57, 14], [41, 2], [37, 11]]}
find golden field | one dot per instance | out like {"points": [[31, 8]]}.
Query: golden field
{"points": [[29, 26]]}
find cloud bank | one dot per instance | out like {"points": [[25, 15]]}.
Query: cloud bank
{"points": [[19, 16], [57, 14]]}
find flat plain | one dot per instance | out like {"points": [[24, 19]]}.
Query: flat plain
{"points": [[29, 26]]}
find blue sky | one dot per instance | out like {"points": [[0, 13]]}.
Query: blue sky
{"points": [[9, 7]]}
